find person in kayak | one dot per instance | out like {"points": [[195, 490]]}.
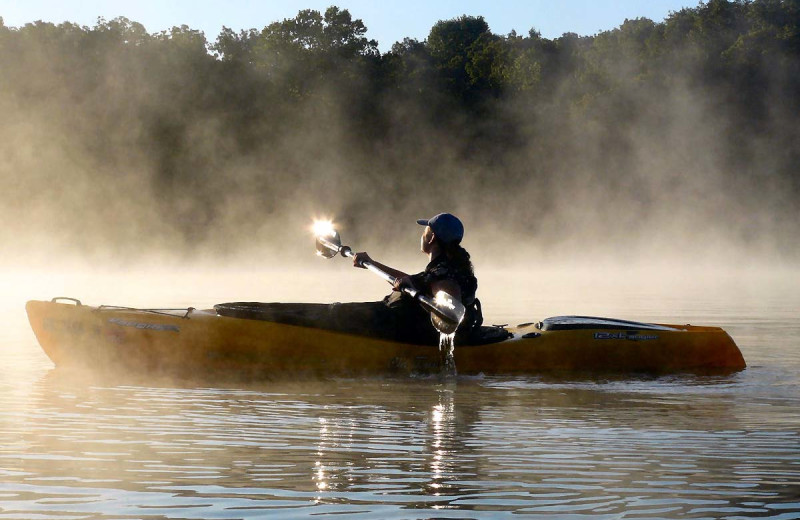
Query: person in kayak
{"points": [[449, 269]]}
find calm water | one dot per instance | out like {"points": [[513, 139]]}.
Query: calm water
{"points": [[682, 446]]}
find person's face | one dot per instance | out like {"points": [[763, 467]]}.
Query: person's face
{"points": [[426, 240]]}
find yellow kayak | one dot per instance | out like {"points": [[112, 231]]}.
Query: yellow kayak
{"points": [[188, 341]]}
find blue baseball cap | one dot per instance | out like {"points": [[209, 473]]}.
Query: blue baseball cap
{"points": [[446, 227]]}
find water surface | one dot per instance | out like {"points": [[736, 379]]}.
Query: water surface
{"points": [[626, 446]]}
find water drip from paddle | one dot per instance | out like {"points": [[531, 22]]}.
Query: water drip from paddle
{"points": [[446, 349]]}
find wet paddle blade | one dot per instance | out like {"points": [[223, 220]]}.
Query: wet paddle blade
{"points": [[446, 312]]}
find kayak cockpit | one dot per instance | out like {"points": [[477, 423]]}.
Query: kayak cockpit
{"points": [[352, 318]]}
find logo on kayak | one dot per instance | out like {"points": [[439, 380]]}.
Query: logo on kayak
{"points": [[144, 326], [622, 335]]}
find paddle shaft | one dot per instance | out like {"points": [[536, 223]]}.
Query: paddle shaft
{"points": [[426, 302], [346, 251]]}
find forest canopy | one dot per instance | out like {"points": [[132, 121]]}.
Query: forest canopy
{"points": [[117, 139]]}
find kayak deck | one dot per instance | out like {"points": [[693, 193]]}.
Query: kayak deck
{"points": [[190, 340]]}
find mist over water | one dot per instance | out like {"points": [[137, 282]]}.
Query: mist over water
{"points": [[120, 148]]}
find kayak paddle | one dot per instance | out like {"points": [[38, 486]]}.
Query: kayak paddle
{"points": [[446, 313]]}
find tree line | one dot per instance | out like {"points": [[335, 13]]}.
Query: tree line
{"points": [[646, 116]]}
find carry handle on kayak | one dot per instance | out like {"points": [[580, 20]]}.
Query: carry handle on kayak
{"points": [[73, 300], [446, 313]]}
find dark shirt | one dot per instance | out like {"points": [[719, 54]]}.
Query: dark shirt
{"points": [[413, 322], [441, 268]]}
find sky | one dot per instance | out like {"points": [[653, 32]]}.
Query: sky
{"points": [[387, 22]]}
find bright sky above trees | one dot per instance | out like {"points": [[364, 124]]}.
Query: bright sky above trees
{"points": [[387, 22]]}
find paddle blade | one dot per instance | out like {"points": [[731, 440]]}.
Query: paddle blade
{"points": [[446, 312], [329, 245]]}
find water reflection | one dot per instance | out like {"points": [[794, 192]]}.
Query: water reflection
{"points": [[678, 446], [442, 424]]}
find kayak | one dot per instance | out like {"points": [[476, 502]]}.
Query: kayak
{"points": [[245, 340]]}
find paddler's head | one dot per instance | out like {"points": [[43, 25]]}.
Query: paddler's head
{"points": [[443, 229]]}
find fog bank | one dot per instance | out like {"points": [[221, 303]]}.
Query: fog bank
{"points": [[669, 143]]}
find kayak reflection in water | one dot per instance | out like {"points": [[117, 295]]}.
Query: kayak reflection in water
{"points": [[401, 318]]}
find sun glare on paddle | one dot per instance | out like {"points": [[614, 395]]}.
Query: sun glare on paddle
{"points": [[444, 300], [323, 228]]}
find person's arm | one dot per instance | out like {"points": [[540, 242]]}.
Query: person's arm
{"points": [[447, 285], [359, 258]]}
